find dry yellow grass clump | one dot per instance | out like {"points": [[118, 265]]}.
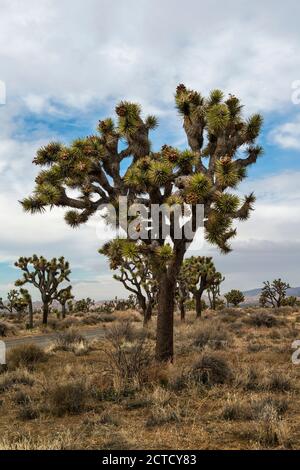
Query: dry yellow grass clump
{"points": [[232, 386]]}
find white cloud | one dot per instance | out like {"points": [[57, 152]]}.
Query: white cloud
{"points": [[287, 135], [98, 50], [70, 57]]}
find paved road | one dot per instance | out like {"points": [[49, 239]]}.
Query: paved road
{"points": [[46, 339]]}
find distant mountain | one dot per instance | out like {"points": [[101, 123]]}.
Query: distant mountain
{"points": [[256, 292]]}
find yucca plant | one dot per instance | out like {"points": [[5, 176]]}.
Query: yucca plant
{"points": [[217, 134]]}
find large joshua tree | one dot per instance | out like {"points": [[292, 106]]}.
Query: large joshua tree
{"points": [[135, 272], [213, 164], [46, 276]]}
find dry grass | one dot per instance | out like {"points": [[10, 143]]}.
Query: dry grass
{"points": [[232, 386]]}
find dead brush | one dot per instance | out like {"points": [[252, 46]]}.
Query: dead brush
{"points": [[67, 398], [126, 359], [211, 369], [27, 355], [6, 329], [17, 377], [212, 335], [271, 430], [263, 319], [162, 411], [70, 340]]}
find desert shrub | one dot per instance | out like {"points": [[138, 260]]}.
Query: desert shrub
{"points": [[274, 334], [252, 378], [162, 415], [24, 440], [107, 318], [67, 398], [21, 398], [212, 335], [6, 329], [109, 419], [137, 403], [90, 319], [235, 410], [65, 340], [211, 370], [28, 412], [69, 322], [259, 406], [27, 355], [236, 327], [162, 412], [271, 431], [278, 382], [18, 377], [127, 356], [238, 410], [261, 319], [255, 347], [53, 323]]}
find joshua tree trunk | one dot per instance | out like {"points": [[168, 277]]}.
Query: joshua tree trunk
{"points": [[165, 319], [182, 310], [63, 311], [45, 313], [148, 313], [198, 301], [166, 294], [30, 311]]}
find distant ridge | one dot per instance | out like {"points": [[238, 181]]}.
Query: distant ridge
{"points": [[256, 292]]}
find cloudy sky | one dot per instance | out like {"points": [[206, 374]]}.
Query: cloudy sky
{"points": [[66, 63]]}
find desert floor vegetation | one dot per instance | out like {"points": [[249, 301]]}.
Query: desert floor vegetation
{"points": [[232, 385]]}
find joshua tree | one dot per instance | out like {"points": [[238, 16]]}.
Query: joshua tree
{"points": [[14, 302], [28, 302], [46, 276], [199, 273], [216, 133], [63, 297], [214, 290], [234, 297], [273, 293], [291, 301], [182, 295], [82, 305], [135, 272]]}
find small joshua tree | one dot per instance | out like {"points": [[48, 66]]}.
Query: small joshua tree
{"points": [[199, 273], [14, 302], [135, 272], [274, 293], [182, 295], [214, 290], [63, 297], [203, 174], [28, 302], [82, 305], [290, 301], [46, 276], [234, 297]]}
